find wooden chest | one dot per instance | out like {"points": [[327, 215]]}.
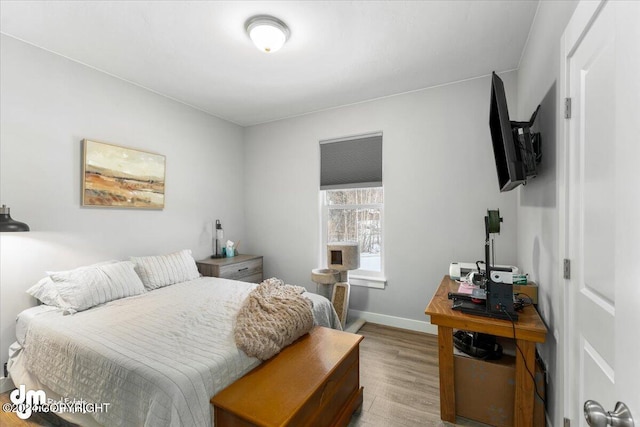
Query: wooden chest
{"points": [[313, 382]]}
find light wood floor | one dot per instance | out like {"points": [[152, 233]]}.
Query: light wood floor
{"points": [[399, 372]]}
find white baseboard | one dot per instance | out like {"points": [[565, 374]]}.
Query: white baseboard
{"points": [[396, 322], [6, 384]]}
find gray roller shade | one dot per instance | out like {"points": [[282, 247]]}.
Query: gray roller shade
{"points": [[351, 163]]}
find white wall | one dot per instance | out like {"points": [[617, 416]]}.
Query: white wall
{"points": [[539, 83], [48, 105], [439, 181]]}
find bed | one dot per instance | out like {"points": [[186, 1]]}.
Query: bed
{"points": [[155, 358]]}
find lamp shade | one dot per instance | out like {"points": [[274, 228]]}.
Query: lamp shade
{"points": [[268, 33], [7, 224]]}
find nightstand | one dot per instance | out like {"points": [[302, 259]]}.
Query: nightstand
{"points": [[246, 268]]}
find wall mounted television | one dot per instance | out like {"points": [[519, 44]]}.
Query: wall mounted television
{"points": [[516, 149]]}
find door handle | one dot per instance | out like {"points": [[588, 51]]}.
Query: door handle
{"points": [[596, 416]]}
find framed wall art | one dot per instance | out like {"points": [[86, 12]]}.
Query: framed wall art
{"points": [[120, 177]]}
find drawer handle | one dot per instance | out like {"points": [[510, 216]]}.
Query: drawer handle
{"points": [[243, 269]]}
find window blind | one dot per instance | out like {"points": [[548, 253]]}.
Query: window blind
{"points": [[354, 162]]}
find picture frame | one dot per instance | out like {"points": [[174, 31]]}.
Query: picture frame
{"points": [[120, 177]]}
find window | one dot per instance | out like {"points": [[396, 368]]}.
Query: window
{"points": [[355, 215], [352, 201]]}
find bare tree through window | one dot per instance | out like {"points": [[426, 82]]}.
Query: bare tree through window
{"points": [[355, 215]]}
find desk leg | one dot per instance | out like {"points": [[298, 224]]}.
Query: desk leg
{"points": [[524, 398], [445, 365]]}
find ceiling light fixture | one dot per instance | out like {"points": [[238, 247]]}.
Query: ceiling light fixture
{"points": [[267, 33]]}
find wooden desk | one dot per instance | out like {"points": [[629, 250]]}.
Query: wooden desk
{"points": [[529, 329]]}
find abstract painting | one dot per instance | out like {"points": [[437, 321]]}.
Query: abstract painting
{"points": [[114, 176]]}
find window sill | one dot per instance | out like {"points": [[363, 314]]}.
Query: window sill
{"points": [[368, 282]]}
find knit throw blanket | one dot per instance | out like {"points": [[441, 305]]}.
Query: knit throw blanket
{"points": [[273, 316]]}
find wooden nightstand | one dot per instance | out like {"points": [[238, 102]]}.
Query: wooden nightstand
{"points": [[246, 268]]}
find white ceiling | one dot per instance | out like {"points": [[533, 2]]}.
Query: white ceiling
{"points": [[339, 52]]}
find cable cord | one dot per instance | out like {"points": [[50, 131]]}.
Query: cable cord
{"points": [[520, 303], [533, 378]]}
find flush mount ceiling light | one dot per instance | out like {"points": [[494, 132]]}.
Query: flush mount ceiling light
{"points": [[267, 33]]}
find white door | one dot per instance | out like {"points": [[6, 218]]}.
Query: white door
{"points": [[601, 56]]}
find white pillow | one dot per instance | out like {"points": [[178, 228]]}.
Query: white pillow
{"points": [[162, 270], [97, 264], [45, 290], [87, 287]]}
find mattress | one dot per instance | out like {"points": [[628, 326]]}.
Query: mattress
{"points": [[155, 359]]}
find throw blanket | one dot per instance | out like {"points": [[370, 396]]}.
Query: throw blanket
{"points": [[273, 316]]}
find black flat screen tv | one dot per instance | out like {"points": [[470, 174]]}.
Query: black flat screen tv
{"points": [[515, 148]]}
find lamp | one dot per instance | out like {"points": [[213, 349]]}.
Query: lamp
{"points": [[268, 33], [9, 224]]}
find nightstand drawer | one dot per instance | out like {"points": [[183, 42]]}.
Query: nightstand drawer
{"points": [[240, 270], [247, 268]]}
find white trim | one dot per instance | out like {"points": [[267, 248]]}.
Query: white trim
{"points": [[131, 82], [562, 194], [526, 43], [368, 282], [6, 384], [395, 322], [598, 360], [383, 97], [350, 186], [352, 137], [583, 17]]}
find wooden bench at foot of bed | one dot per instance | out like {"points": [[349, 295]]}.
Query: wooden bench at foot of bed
{"points": [[313, 382]]}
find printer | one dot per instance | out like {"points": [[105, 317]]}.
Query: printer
{"points": [[499, 273]]}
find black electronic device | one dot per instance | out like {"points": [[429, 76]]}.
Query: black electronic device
{"points": [[516, 149], [478, 309], [499, 296], [479, 345], [466, 297], [500, 300]]}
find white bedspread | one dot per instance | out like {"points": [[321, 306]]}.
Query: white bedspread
{"points": [[157, 358]]}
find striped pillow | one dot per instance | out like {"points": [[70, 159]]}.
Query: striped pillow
{"points": [[87, 287], [45, 291], [163, 270]]}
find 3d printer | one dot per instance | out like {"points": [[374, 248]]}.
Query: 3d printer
{"points": [[499, 295]]}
